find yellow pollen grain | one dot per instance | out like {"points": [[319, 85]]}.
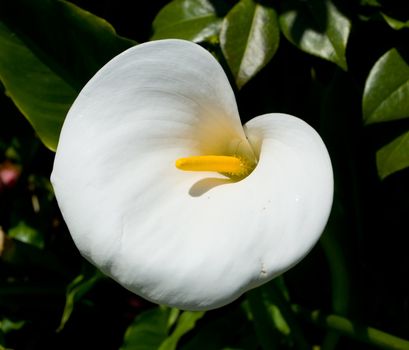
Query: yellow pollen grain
{"points": [[230, 165]]}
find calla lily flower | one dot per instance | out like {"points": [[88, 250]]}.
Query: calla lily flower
{"points": [[165, 191]]}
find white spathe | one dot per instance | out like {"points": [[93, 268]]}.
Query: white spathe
{"points": [[192, 240]]}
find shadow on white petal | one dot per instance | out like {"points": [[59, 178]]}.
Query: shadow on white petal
{"points": [[204, 185]]}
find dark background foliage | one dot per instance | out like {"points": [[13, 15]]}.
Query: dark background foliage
{"points": [[360, 268]]}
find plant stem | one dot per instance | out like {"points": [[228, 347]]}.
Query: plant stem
{"points": [[338, 268], [354, 330]]}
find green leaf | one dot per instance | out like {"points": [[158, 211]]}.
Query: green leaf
{"points": [[229, 330], [249, 39], [264, 326], [270, 307], [395, 23], [44, 64], [42, 96], [194, 20], [186, 322], [318, 28], [27, 234], [81, 285], [21, 254], [374, 3], [394, 156], [7, 325], [271, 311], [173, 317], [386, 93], [148, 330]]}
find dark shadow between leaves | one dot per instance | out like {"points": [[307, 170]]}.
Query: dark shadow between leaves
{"points": [[202, 186]]}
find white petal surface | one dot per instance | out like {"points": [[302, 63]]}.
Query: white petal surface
{"points": [[190, 240]]}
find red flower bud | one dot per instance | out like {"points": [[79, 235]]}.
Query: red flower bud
{"points": [[9, 174]]}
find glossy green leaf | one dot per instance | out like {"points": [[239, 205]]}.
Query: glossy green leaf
{"points": [[249, 39], [42, 96], [394, 156], [43, 64], [151, 329], [270, 310], [270, 307], [186, 322], [27, 234], [386, 93], [194, 20], [264, 325], [318, 28], [230, 330], [81, 285], [395, 23], [148, 330]]}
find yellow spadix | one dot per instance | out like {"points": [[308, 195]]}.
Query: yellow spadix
{"points": [[229, 165]]}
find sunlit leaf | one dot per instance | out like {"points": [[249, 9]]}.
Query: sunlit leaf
{"points": [[394, 156], [7, 325], [186, 322], [386, 94], [249, 39], [27, 234], [173, 316], [270, 310], [194, 20], [81, 285], [279, 320], [48, 50], [148, 330], [317, 27], [395, 23], [152, 329], [275, 315]]}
